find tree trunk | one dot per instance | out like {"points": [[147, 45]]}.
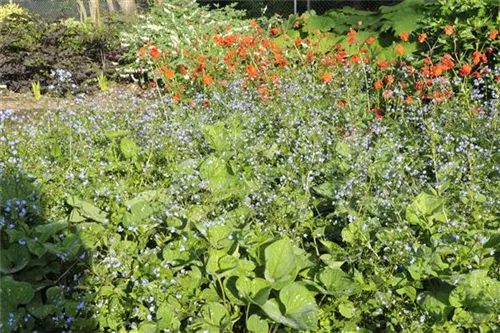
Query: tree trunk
{"points": [[128, 7], [111, 6], [82, 10]]}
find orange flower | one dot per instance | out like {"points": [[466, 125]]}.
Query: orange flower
{"points": [[370, 40], [207, 80], [465, 70], [408, 100], [449, 30], [436, 70], [378, 84], [422, 37], [493, 35], [400, 49], [389, 79], [404, 36], [168, 73], [476, 57], [383, 64], [310, 56], [355, 59], [298, 41], [252, 71], [155, 53], [275, 31], [142, 52], [253, 23], [327, 77], [351, 35], [342, 103], [177, 97]]}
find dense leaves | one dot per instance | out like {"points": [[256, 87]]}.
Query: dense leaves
{"points": [[65, 56]]}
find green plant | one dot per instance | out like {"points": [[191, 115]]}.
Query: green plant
{"points": [[102, 81], [35, 89], [11, 10]]}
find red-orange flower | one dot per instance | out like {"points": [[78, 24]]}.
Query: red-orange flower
{"points": [[408, 100], [378, 84], [465, 70], [327, 77], [389, 79], [155, 53], [493, 35], [275, 31], [168, 73], [400, 50], [253, 23], [476, 57], [142, 52], [355, 59], [252, 71], [383, 64], [422, 37], [404, 36], [351, 35], [449, 30], [370, 40], [207, 80]]}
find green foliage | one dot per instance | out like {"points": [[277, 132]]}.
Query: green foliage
{"points": [[179, 25], [64, 56], [11, 11], [384, 22]]}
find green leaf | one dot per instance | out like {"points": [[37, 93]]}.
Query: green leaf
{"points": [[87, 210], [346, 309], [220, 262], [434, 306], [300, 309], [50, 229], [147, 327], [338, 283], [280, 264], [254, 290], [14, 259], [256, 324], [214, 313], [408, 291], [14, 293], [129, 149]]}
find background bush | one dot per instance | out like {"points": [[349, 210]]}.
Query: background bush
{"points": [[64, 56]]}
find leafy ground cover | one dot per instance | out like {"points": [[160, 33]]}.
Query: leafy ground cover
{"points": [[269, 184]]}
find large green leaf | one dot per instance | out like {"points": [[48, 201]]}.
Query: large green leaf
{"points": [[280, 263], [256, 324], [254, 290], [14, 293], [87, 210], [49, 229], [14, 259], [300, 309], [221, 180], [338, 283], [129, 149]]}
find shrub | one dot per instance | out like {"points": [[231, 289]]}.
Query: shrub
{"points": [[36, 50]]}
